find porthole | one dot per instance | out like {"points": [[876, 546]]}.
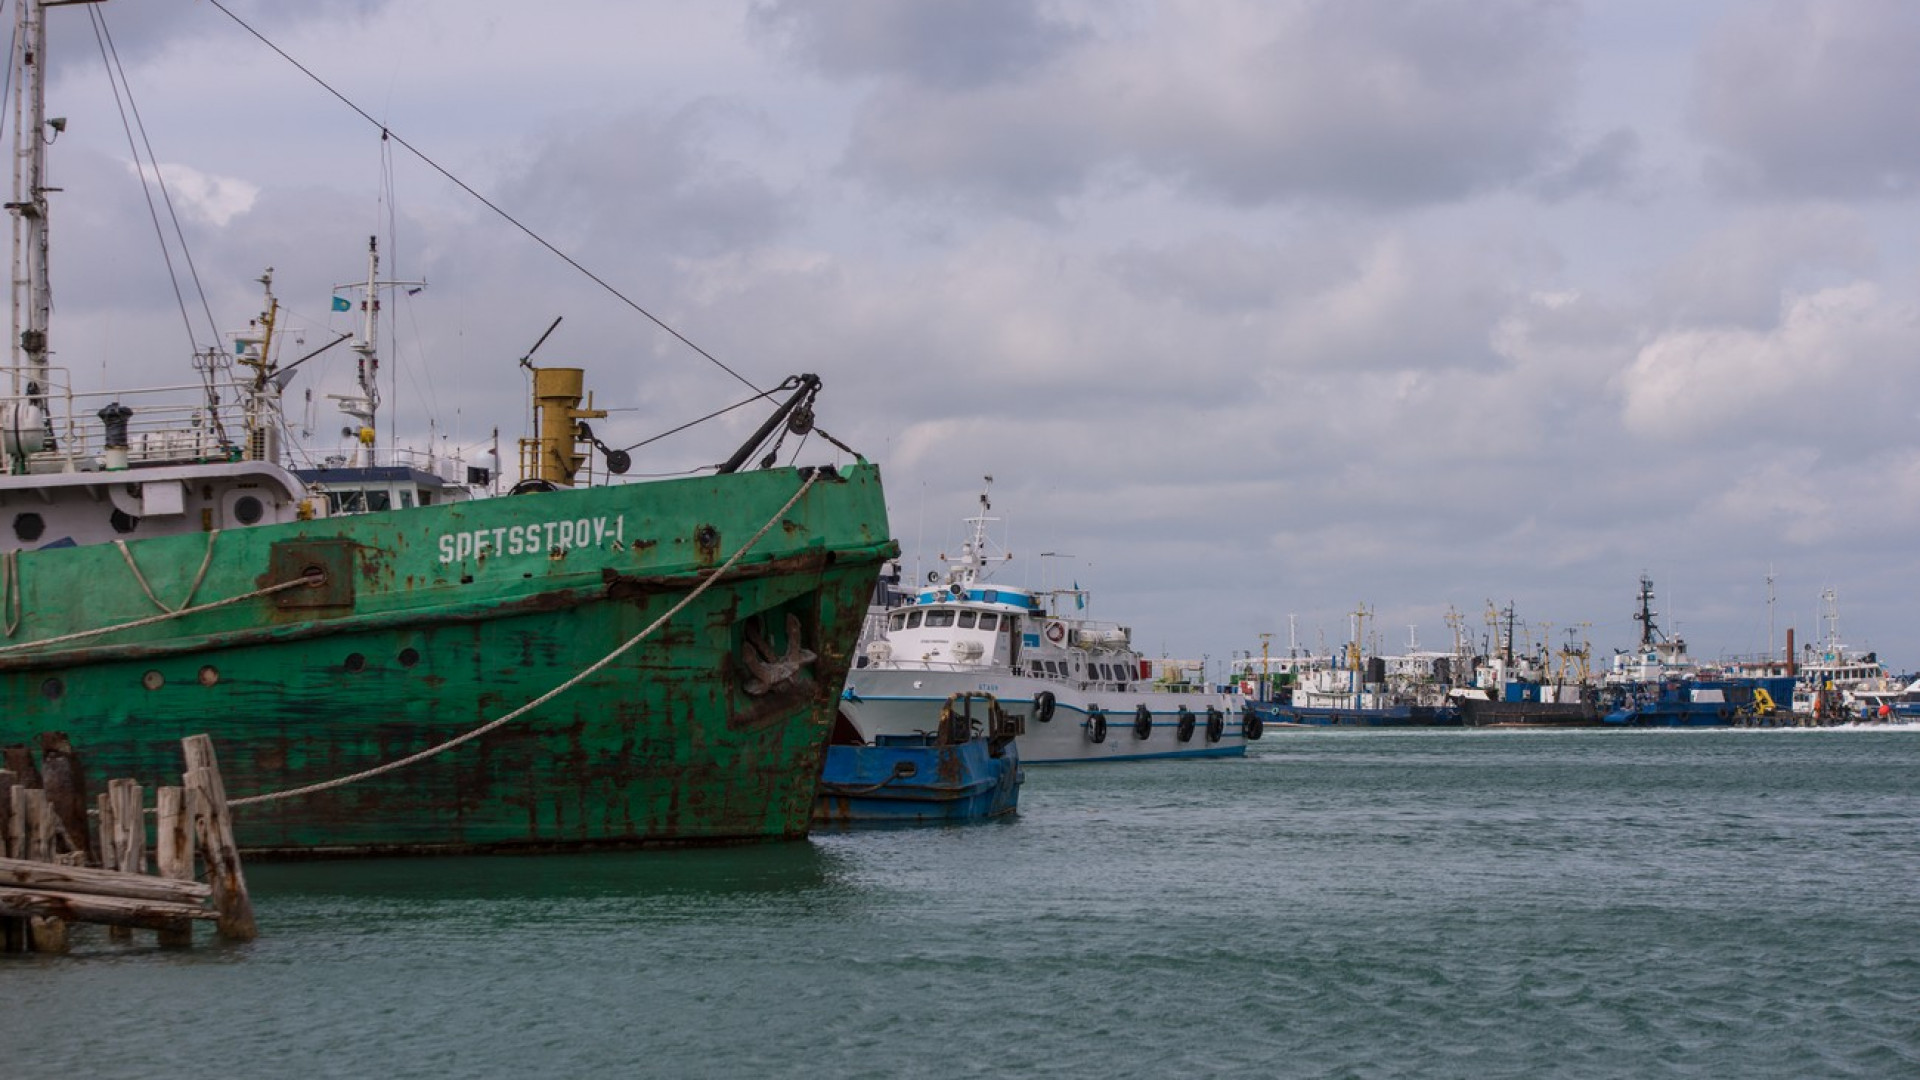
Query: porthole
{"points": [[29, 527], [248, 510], [356, 662], [409, 657], [209, 675], [153, 680], [124, 522], [52, 689]]}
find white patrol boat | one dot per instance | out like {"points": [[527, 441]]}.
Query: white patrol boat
{"points": [[1080, 689]]}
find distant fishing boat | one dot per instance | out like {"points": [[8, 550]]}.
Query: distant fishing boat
{"points": [[571, 666], [1659, 685], [1409, 690], [1837, 680], [1514, 689], [1081, 689]]}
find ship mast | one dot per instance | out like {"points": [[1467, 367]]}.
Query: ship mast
{"points": [[365, 405], [32, 295], [29, 428]]}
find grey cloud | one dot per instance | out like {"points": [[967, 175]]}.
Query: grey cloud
{"points": [[1607, 166], [945, 45], [1736, 276], [143, 28], [645, 180], [1813, 98], [1360, 103]]}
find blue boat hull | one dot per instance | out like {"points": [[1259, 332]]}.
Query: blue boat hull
{"points": [[1731, 702], [915, 780]]}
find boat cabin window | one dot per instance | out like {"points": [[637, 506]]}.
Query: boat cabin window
{"points": [[966, 620], [991, 596], [898, 622], [406, 499], [379, 500], [913, 619], [989, 620], [940, 617]]}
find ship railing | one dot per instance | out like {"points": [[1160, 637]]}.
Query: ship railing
{"points": [[900, 663], [167, 423], [450, 467]]}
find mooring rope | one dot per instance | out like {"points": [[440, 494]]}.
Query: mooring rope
{"points": [[314, 579], [588, 672], [206, 561]]}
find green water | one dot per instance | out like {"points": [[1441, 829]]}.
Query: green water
{"points": [[1351, 904]]}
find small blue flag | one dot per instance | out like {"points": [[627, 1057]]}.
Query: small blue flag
{"points": [[1079, 598], [340, 303]]}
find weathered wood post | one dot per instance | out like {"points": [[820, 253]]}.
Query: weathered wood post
{"points": [[19, 760], [129, 826], [13, 930], [48, 933], [66, 786], [173, 843], [213, 827], [128, 840]]}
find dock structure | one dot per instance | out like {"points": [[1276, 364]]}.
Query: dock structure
{"points": [[63, 861]]}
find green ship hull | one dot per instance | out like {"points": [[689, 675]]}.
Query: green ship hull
{"points": [[414, 627]]}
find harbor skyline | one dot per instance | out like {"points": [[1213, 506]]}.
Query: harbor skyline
{"points": [[1252, 309]]}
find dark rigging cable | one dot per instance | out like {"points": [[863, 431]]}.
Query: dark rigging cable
{"points": [[483, 200], [761, 396], [110, 56]]}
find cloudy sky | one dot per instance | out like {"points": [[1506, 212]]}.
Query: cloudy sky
{"points": [[1256, 312]]}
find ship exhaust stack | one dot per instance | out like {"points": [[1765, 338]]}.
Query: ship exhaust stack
{"points": [[554, 454], [114, 417]]}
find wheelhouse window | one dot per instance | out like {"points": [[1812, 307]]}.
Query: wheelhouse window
{"points": [[898, 621], [940, 617], [967, 619], [913, 619], [989, 620]]}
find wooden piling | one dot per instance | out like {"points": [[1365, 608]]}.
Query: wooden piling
{"points": [[173, 845], [213, 828], [19, 759], [48, 932], [45, 883], [129, 838], [65, 783], [13, 930], [129, 826]]}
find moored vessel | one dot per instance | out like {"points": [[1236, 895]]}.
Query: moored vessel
{"points": [[1078, 685], [966, 769]]}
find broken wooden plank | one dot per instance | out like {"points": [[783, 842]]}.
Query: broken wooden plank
{"points": [[86, 879], [55, 906]]}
